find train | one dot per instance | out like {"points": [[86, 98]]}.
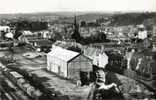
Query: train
{"points": [[23, 84]]}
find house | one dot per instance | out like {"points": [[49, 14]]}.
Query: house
{"points": [[66, 44], [68, 63], [3, 30], [46, 34], [109, 59], [27, 33], [42, 45], [142, 34], [98, 56], [9, 35]]}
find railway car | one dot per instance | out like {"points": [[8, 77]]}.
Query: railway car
{"points": [[2, 66], [38, 94], [30, 91], [6, 71], [25, 86], [14, 76], [20, 82]]}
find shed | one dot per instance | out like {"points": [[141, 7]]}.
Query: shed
{"points": [[68, 63]]}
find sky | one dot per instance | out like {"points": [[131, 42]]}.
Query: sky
{"points": [[29, 6]]}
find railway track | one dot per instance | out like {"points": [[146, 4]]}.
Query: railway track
{"points": [[10, 91]]}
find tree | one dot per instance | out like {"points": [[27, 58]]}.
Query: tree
{"points": [[83, 23], [149, 24]]}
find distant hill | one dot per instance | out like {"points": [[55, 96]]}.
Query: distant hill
{"points": [[29, 16], [118, 18], [87, 17], [66, 16], [132, 18]]}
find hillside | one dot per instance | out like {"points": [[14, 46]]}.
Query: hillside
{"points": [[64, 16], [132, 18], [117, 18]]}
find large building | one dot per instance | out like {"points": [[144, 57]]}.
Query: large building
{"points": [[68, 63]]}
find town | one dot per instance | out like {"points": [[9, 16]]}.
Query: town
{"points": [[49, 56]]}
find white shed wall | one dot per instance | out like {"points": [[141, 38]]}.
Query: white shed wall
{"points": [[57, 65]]}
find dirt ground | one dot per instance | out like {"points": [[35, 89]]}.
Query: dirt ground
{"points": [[36, 64]]}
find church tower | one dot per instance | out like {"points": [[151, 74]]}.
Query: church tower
{"points": [[76, 34]]}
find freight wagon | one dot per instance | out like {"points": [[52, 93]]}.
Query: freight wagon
{"points": [[19, 80]]}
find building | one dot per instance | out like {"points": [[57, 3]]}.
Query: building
{"points": [[42, 45], [98, 56], [5, 28], [142, 34], [27, 33], [66, 44], [111, 60], [68, 63], [154, 38], [3, 31], [100, 60]]}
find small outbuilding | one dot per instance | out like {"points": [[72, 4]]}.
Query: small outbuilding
{"points": [[68, 63]]}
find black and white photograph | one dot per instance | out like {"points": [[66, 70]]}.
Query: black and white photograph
{"points": [[77, 49]]}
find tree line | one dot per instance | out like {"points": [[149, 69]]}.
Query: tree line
{"points": [[30, 25]]}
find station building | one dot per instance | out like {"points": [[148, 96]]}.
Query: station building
{"points": [[68, 63]]}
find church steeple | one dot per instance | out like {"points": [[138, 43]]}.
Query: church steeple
{"points": [[76, 26], [76, 34], [75, 22]]}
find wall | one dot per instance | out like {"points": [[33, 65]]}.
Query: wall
{"points": [[57, 65], [80, 63]]}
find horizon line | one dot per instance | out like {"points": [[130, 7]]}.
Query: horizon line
{"points": [[128, 11]]}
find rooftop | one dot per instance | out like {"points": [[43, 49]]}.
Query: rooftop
{"points": [[63, 54]]}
